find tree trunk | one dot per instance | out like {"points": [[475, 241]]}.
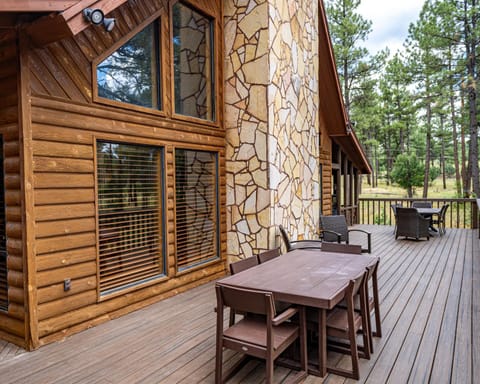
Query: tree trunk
{"points": [[471, 46], [426, 178], [442, 153], [456, 162], [465, 171]]}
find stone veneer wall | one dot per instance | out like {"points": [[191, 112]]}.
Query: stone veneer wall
{"points": [[271, 118]]}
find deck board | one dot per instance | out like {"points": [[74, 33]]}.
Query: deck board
{"points": [[430, 310]]}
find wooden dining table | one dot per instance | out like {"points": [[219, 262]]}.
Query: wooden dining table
{"points": [[307, 277]]}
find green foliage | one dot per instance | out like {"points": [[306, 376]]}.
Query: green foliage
{"points": [[421, 100], [408, 172], [379, 219], [450, 170], [434, 173]]}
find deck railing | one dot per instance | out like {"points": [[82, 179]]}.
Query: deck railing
{"points": [[461, 213]]}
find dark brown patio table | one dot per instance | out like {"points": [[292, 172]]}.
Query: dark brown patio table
{"points": [[306, 277], [429, 212]]}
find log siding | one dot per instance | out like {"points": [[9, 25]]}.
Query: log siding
{"points": [[64, 122], [13, 321]]}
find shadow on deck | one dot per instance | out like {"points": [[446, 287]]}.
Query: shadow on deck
{"points": [[430, 304]]}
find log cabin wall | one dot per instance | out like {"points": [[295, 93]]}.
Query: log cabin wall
{"points": [[326, 167], [66, 121], [13, 321]]}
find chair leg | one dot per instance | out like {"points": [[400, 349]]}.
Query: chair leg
{"points": [[218, 363], [354, 353], [269, 371]]}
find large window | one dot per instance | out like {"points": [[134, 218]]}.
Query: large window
{"points": [[196, 175], [131, 73], [193, 63], [130, 212]]}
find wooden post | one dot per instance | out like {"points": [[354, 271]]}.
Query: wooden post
{"points": [[27, 198]]}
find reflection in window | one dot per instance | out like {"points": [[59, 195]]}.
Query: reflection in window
{"points": [[130, 74], [193, 52], [196, 207]]}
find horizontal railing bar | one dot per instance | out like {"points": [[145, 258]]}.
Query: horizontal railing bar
{"points": [[462, 212]]}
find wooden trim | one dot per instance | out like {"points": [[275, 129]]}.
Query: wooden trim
{"points": [[70, 22], [74, 15], [28, 206], [36, 5], [164, 47], [97, 230], [161, 12], [217, 63], [132, 119]]}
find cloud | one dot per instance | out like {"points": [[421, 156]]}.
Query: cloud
{"points": [[390, 22]]}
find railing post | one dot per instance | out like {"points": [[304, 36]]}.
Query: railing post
{"points": [[475, 218]]}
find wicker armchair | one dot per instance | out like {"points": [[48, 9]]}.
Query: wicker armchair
{"points": [[411, 224], [334, 229], [440, 221]]}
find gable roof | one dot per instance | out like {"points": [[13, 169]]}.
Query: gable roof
{"points": [[331, 101]]}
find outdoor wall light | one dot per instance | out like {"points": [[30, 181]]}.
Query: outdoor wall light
{"points": [[96, 17], [109, 24]]}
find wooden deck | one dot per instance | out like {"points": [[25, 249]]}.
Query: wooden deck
{"points": [[430, 304]]}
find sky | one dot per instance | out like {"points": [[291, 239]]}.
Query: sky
{"points": [[390, 22]]}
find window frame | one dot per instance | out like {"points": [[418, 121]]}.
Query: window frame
{"points": [[163, 225], [159, 17], [164, 16], [216, 69], [218, 255]]}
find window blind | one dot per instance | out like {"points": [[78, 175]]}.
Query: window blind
{"points": [[130, 215]]}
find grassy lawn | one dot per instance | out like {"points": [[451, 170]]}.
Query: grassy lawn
{"points": [[390, 191]]}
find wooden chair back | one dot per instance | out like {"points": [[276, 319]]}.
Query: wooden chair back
{"points": [[241, 265], [268, 255], [374, 302], [246, 300], [342, 248]]}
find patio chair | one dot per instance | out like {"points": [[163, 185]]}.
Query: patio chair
{"points": [[265, 256], [394, 209], [239, 266], [335, 227], [421, 204], [440, 220], [341, 248], [411, 224], [373, 301], [265, 336], [298, 244], [344, 324]]}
